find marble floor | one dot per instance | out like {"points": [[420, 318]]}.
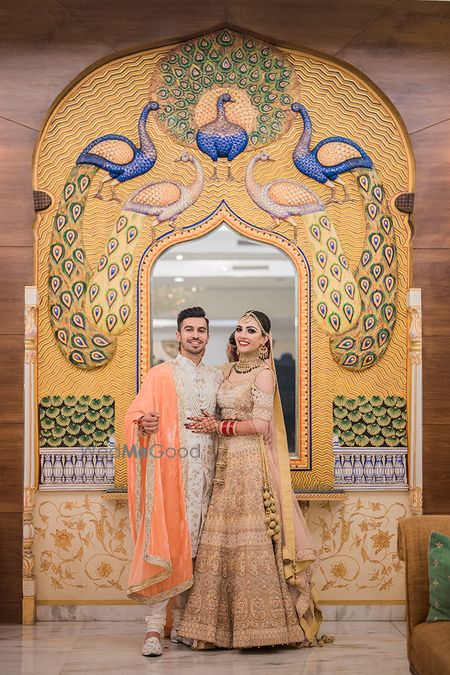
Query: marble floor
{"points": [[50, 648]]}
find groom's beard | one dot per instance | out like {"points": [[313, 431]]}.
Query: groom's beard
{"points": [[198, 349], [194, 346]]}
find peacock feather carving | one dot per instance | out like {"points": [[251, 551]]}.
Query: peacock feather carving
{"points": [[337, 305], [259, 78], [371, 288], [329, 158], [376, 277], [356, 309], [90, 308], [119, 156]]}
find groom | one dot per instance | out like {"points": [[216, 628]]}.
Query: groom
{"points": [[170, 476]]}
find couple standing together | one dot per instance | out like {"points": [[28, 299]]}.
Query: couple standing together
{"points": [[215, 524]]}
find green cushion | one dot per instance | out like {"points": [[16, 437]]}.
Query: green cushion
{"points": [[439, 576]]}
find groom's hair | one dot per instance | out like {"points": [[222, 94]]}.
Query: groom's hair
{"points": [[192, 313]]}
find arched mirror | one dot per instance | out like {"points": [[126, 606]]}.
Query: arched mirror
{"points": [[226, 274]]}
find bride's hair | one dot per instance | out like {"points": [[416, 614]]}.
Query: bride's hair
{"points": [[262, 318]]}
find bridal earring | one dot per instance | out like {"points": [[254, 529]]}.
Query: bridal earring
{"points": [[263, 352]]}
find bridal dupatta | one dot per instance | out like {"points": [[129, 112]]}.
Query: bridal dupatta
{"points": [[298, 552], [162, 562]]}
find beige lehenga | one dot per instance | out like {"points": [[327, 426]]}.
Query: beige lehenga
{"points": [[240, 596]]}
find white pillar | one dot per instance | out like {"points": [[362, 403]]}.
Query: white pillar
{"points": [[414, 304], [29, 460]]}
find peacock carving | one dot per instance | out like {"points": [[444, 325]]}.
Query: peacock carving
{"points": [[330, 158], [222, 138], [90, 308], [376, 277], [258, 77], [119, 156], [165, 199], [283, 200], [356, 309]]}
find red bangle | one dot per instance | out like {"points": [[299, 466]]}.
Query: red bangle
{"points": [[227, 428]]}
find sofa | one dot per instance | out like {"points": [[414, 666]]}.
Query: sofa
{"points": [[428, 644]]}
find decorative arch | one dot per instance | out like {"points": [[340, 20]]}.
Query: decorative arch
{"points": [[91, 254], [223, 214]]}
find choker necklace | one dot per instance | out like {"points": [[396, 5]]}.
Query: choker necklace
{"points": [[248, 362]]}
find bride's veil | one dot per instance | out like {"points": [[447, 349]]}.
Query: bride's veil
{"points": [[299, 556]]}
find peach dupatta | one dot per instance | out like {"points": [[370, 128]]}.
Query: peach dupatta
{"points": [[162, 561]]}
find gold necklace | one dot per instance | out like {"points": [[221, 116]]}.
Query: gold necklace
{"points": [[248, 362]]}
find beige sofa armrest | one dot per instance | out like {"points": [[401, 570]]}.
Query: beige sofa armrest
{"points": [[413, 537]]}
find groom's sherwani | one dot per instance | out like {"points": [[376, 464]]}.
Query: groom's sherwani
{"points": [[169, 477]]}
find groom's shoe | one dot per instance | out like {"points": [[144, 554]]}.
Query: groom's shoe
{"points": [[152, 644]]}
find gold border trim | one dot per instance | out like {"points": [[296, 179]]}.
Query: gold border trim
{"points": [[223, 214], [44, 603]]}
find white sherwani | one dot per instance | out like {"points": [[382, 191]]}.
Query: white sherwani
{"points": [[197, 387]]}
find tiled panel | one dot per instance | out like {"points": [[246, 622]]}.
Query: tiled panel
{"points": [[10, 558], [16, 271], [11, 459], [42, 48], [432, 206], [406, 53], [436, 487], [137, 23], [325, 26], [431, 273], [16, 196], [436, 382], [11, 385]]}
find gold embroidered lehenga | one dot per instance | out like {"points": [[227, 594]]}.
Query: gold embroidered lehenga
{"points": [[240, 596]]}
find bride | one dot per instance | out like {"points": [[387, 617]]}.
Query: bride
{"points": [[252, 582]]}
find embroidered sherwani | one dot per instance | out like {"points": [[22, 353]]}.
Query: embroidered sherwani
{"points": [[169, 489], [197, 387]]}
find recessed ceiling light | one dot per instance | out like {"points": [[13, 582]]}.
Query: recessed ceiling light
{"points": [[179, 280], [179, 257]]}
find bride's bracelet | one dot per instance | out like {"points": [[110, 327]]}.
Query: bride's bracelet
{"points": [[228, 428]]}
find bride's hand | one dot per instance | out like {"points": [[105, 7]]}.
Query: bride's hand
{"points": [[207, 424]]}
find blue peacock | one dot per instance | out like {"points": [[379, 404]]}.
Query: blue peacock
{"points": [[119, 156], [357, 310], [90, 307], [222, 138], [330, 158]]}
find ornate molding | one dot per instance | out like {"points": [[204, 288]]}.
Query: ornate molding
{"points": [[76, 468], [414, 304], [30, 434], [373, 468], [415, 500]]}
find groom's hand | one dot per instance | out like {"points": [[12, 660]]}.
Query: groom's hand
{"points": [[149, 423]]}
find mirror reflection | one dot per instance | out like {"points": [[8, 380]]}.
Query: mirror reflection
{"points": [[227, 274]]}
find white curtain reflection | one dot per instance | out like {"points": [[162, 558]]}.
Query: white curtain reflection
{"points": [[227, 274]]}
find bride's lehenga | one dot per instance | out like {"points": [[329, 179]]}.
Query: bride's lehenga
{"points": [[240, 596]]}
